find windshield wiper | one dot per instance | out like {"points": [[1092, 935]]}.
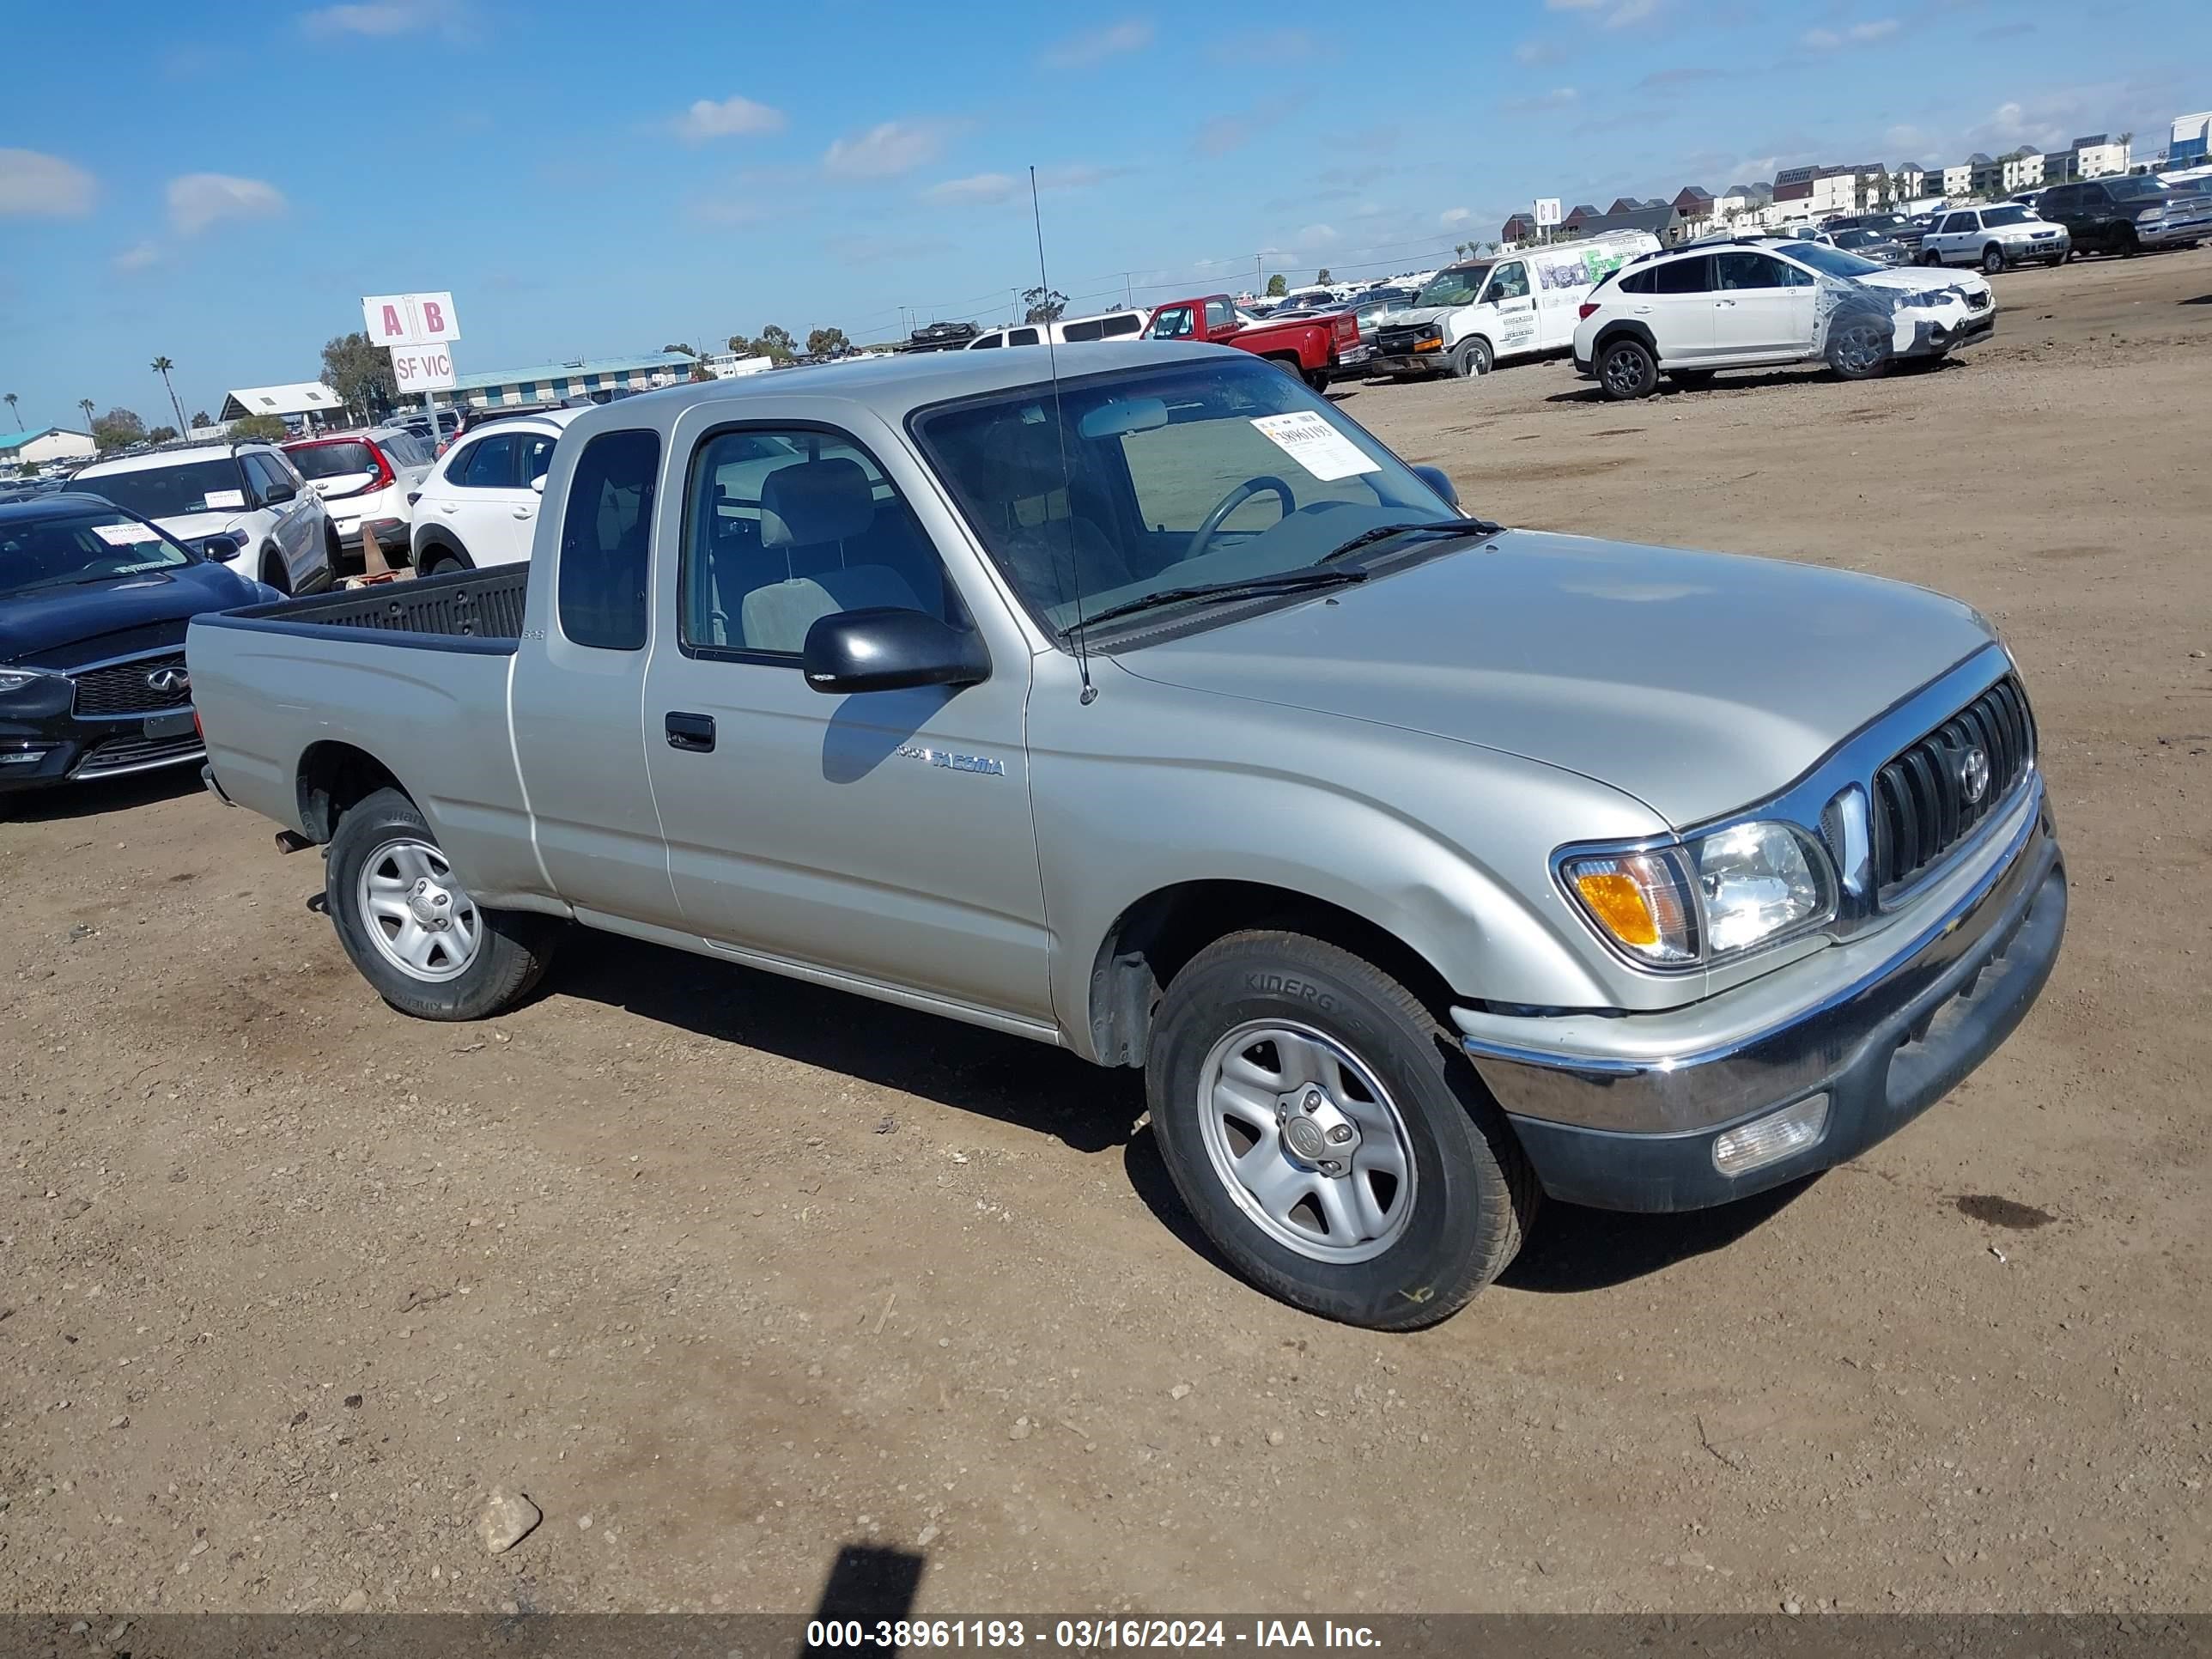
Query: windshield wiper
{"points": [[1287, 581], [1383, 532]]}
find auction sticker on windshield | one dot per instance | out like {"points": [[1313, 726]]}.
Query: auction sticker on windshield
{"points": [[216, 499], [123, 535], [1316, 445]]}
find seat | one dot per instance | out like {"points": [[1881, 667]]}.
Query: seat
{"points": [[777, 617], [1048, 547]]}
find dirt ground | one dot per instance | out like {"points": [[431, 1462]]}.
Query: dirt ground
{"points": [[726, 1273]]}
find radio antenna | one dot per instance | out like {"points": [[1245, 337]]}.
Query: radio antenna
{"points": [[1067, 480]]}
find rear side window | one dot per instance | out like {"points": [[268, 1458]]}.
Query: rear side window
{"points": [[986, 341], [1683, 276], [1092, 329], [488, 466], [1022, 336], [1636, 281], [1126, 324], [605, 537]]}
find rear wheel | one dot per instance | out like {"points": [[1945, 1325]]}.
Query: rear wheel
{"points": [[1470, 358], [2126, 243], [1626, 369], [1317, 378], [1329, 1135], [411, 927], [1993, 259], [437, 559]]}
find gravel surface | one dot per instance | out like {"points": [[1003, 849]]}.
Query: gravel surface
{"points": [[713, 1274]]}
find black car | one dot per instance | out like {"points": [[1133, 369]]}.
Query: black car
{"points": [[93, 602], [2125, 215]]}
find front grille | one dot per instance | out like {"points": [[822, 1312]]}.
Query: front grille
{"points": [[1398, 339], [121, 688], [1921, 809], [122, 754]]}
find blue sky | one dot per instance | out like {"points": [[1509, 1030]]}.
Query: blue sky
{"points": [[222, 183]]}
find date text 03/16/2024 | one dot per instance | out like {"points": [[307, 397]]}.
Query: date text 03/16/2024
{"points": [[1084, 1635]]}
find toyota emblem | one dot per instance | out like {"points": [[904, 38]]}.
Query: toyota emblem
{"points": [[1974, 775], [169, 679]]}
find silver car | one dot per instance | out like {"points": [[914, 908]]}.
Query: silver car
{"points": [[1162, 714]]}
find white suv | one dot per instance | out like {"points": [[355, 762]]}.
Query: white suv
{"points": [[479, 504], [1756, 301], [241, 503], [1994, 238]]}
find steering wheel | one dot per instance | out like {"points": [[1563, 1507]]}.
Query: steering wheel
{"points": [[1235, 499]]}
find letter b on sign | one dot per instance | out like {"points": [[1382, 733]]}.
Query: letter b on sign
{"points": [[433, 318]]}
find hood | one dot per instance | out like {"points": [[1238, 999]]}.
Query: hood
{"points": [[61, 627], [1421, 314], [191, 526], [1698, 683], [1919, 279]]}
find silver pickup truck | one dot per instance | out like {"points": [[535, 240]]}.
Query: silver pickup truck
{"points": [[1162, 714]]}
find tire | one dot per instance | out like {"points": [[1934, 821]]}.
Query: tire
{"points": [[1691, 379], [1931, 258], [333, 548], [438, 559], [1290, 366], [273, 573], [1993, 261], [1470, 358], [1316, 380], [1860, 351], [2126, 243], [1414, 1248], [484, 969], [1626, 369]]}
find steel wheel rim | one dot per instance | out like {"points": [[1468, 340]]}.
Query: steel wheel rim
{"points": [[1622, 372], [1281, 1103], [1858, 349], [419, 918]]}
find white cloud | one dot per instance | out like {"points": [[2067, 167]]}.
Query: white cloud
{"points": [[32, 182], [201, 199], [378, 18], [145, 254], [1451, 217], [1858, 34], [885, 150], [1618, 14], [1316, 236], [976, 189], [725, 118], [1095, 45], [1537, 52]]}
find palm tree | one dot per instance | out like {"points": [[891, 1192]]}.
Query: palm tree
{"points": [[13, 419], [161, 365]]}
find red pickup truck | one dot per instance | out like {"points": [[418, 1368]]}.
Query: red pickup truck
{"points": [[1316, 348]]}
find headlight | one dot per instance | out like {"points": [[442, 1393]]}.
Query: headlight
{"points": [[1709, 899], [15, 679], [2150, 214]]}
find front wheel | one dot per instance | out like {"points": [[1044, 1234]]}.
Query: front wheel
{"points": [[1626, 369], [1931, 258], [1329, 1137], [1470, 358], [2127, 244], [411, 927], [1993, 259], [1860, 351], [274, 572]]}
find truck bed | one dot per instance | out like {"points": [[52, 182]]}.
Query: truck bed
{"points": [[482, 607]]}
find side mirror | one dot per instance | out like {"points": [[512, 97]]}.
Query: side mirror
{"points": [[1438, 480], [276, 492], [885, 649], [537, 484], [222, 547]]}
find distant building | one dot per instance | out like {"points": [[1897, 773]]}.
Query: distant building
{"points": [[42, 444], [304, 403], [1577, 218], [2021, 169], [1958, 179], [1520, 227], [1793, 188], [552, 383], [2098, 156], [1914, 181], [1985, 175], [2192, 138], [2062, 167]]}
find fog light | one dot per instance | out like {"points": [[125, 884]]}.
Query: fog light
{"points": [[1771, 1139], [24, 757]]}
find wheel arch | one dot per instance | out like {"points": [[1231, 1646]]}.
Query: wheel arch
{"points": [[333, 777], [1152, 939], [1613, 332], [436, 544]]}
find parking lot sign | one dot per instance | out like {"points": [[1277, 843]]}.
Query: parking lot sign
{"points": [[422, 368], [1548, 212], [409, 319]]}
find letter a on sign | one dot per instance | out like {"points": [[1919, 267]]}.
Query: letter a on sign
{"points": [[393, 327]]}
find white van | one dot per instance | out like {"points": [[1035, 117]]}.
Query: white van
{"points": [[1470, 316], [1068, 331]]}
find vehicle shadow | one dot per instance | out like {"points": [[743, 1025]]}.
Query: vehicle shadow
{"points": [[1010, 1078], [91, 799], [2197, 299], [1573, 1249], [868, 1584]]}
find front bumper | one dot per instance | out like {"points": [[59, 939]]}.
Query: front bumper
{"points": [[2166, 236], [2052, 250], [1634, 1128], [85, 751]]}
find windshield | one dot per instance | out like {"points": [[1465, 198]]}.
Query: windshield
{"points": [[1456, 287], [1993, 218], [2137, 190], [1163, 478], [81, 545], [1847, 239], [171, 492], [1831, 261]]}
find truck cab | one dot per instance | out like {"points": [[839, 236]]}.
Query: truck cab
{"points": [[1471, 316], [1318, 348]]}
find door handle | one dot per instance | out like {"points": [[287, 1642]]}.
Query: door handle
{"points": [[521, 512], [448, 507], [1717, 304], [694, 733]]}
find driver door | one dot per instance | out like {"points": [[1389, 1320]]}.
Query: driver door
{"points": [[1508, 293]]}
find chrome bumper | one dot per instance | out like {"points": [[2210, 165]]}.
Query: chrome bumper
{"points": [[1624, 1116]]}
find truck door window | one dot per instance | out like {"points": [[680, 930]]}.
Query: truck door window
{"points": [[1021, 337], [1172, 323], [1129, 322], [605, 533], [786, 527], [1220, 316], [986, 341], [1510, 282]]}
